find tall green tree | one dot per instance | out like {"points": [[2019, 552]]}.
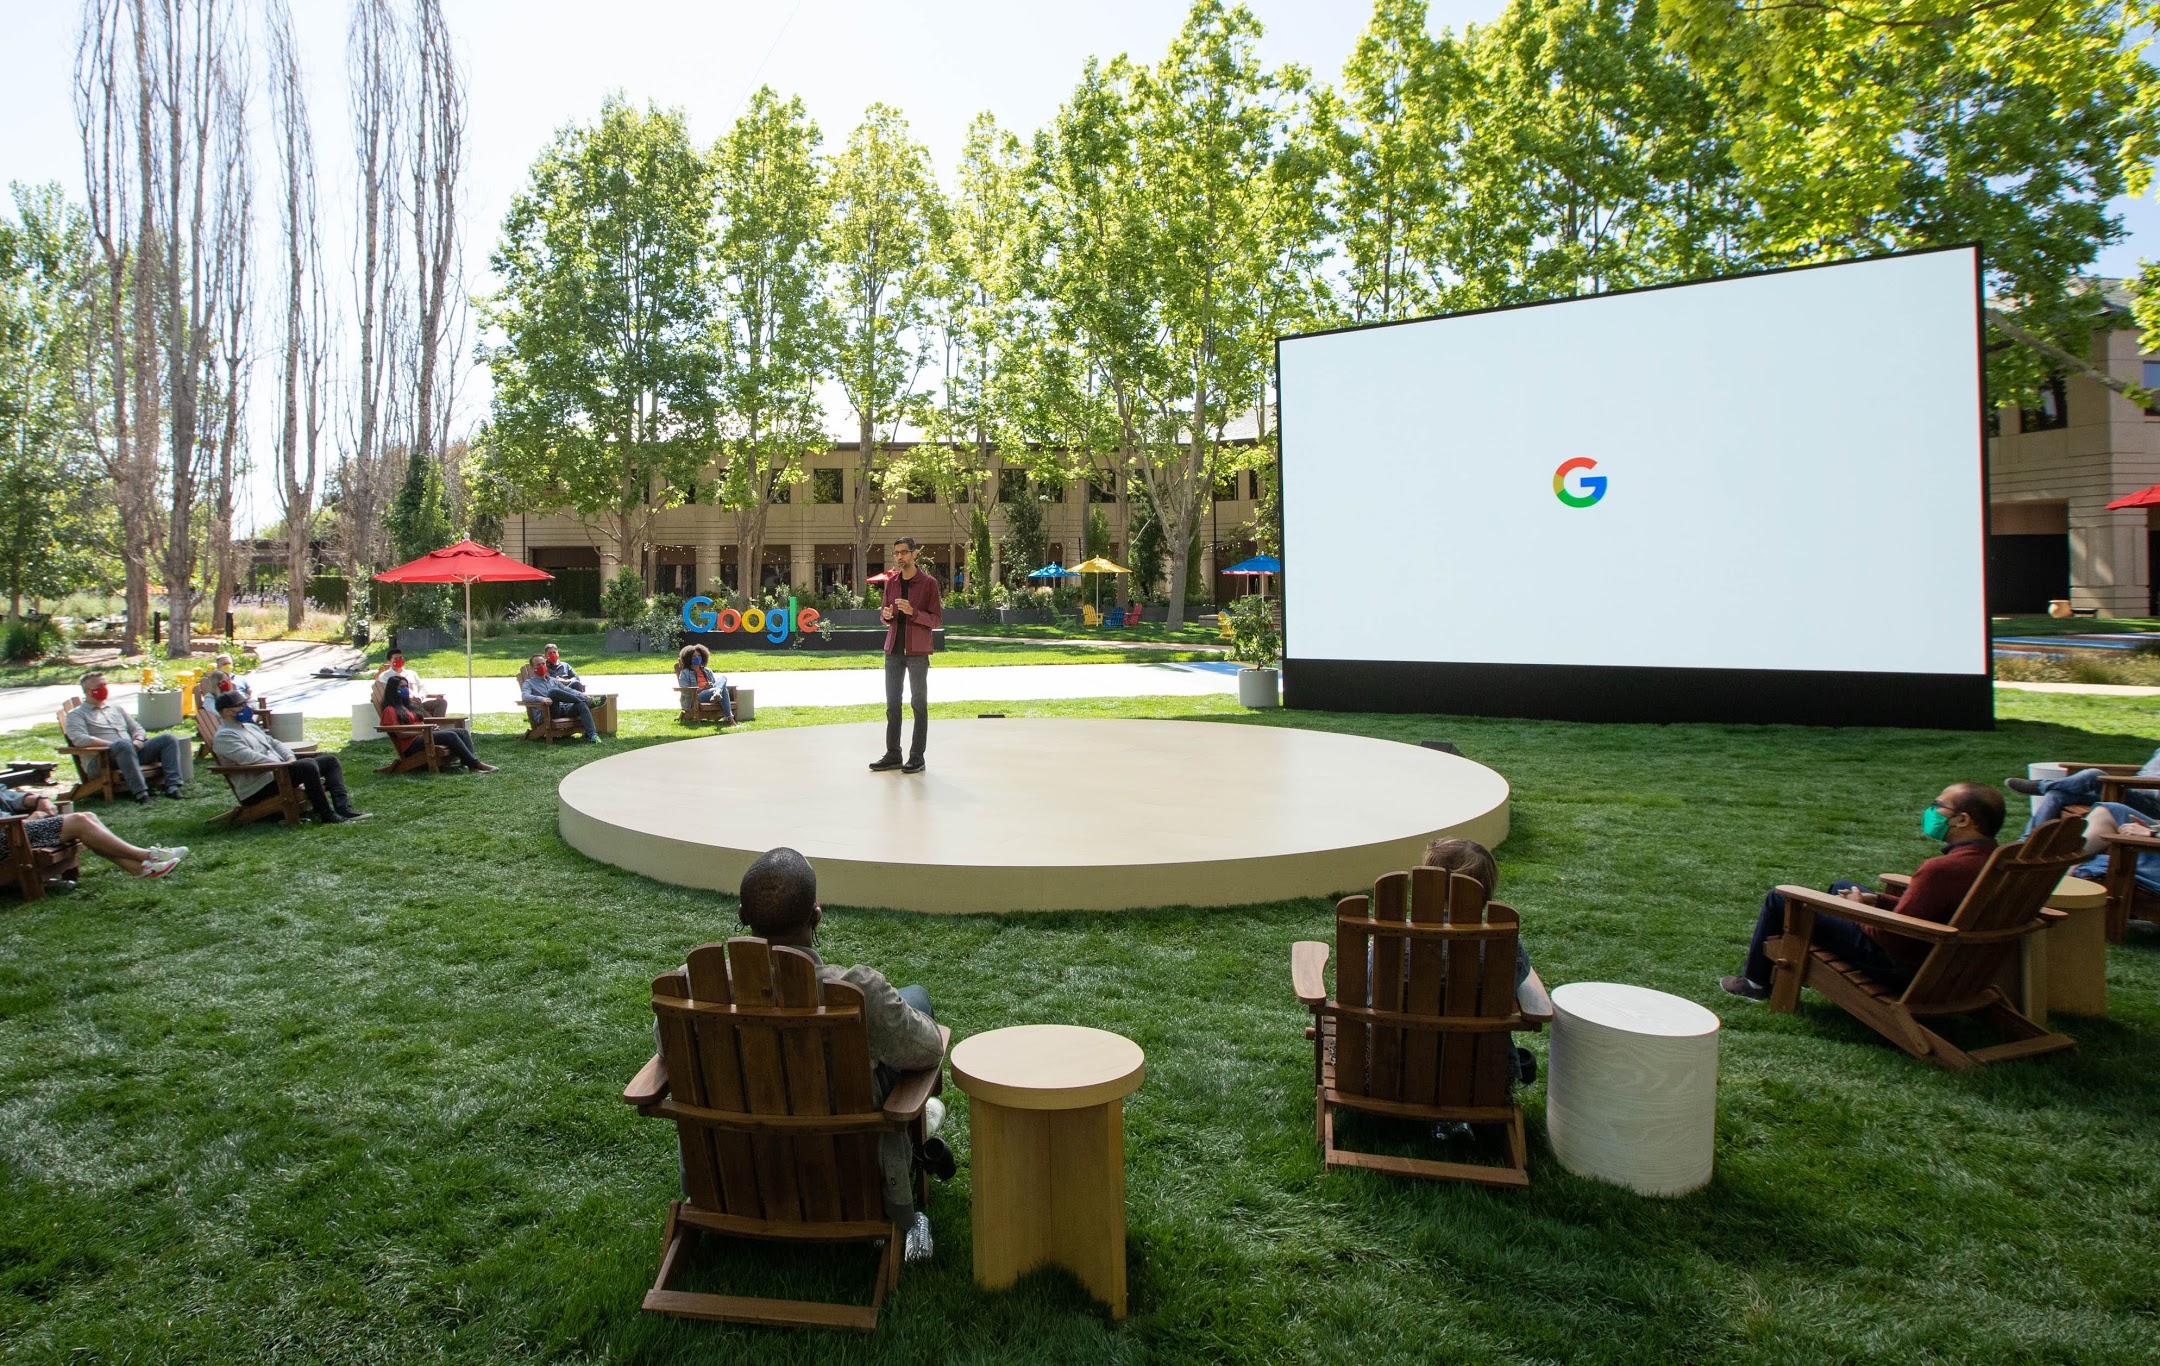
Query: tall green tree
{"points": [[605, 378], [1876, 125], [886, 211], [772, 341], [54, 519], [419, 521]]}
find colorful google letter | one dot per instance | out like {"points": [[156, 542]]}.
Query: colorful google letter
{"points": [[698, 615], [1593, 485]]}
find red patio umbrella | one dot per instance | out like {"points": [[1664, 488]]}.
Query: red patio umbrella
{"points": [[2143, 498], [467, 562]]}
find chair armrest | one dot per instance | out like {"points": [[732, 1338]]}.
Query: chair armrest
{"points": [[1531, 999], [98, 747], [2115, 770], [1308, 971], [2140, 842], [1862, 914], [650, 1085], [417, 728], [905, 1101], [247, 768], [1894, 882], [2130, 781]]}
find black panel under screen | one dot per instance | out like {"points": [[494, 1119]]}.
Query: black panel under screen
{"points": [[1572, 692]]}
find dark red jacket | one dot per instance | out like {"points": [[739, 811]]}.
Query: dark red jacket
{"points": [[929, 602], [1938, 887]]}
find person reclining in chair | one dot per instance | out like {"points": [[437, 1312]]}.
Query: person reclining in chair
{"points": [[780, 906], [47, 826], [321, 776], [98, 723], [2082, 788], [1966, 817], [692, 671], [537, 685], [559, 668]]}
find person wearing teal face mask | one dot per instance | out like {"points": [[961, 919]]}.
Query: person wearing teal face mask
{"points": [[1964, 818]]}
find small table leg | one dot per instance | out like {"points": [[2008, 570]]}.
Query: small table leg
{"points": [[2032, 969], [1049, 1187]]}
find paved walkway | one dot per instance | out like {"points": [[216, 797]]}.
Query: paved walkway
{"points": [[287, 679], [2091, 689]]}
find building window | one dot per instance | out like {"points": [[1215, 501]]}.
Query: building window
{"points": [[2053, 411], [2152, 382], [1102, 490], [1053, 487], [1252, 485], [920, 489], [1994, 420], [825, 486], [1226, 487], [1011, 485], [782, 494]]}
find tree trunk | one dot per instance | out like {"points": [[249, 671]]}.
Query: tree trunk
{"points": [[865, 457]]}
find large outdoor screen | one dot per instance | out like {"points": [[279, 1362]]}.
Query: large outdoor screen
{"points": [[1707, 487]]}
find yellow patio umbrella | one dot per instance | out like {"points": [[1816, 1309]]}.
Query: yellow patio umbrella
{"points": [[1098, 565]]}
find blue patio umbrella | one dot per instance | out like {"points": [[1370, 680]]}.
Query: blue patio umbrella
{"points": [[1258, 566], [1054, 571]]}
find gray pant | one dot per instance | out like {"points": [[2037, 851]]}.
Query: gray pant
{"points": [[916, 669], [128, 762], [573, 704]]}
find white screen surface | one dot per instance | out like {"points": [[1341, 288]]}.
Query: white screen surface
{"points": [[1793, 467]]}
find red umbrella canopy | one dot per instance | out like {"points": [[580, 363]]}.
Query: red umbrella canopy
{"points": [[465, 562], [880, 578], [2143, 498]]}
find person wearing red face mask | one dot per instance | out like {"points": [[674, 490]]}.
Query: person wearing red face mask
{"points": [[100, 724], [559, 669], [429, 703]]}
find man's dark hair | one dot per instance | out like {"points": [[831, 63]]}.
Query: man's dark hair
{"points": [[1981, 802], [908, 541], [1467, 857], [778, 894], [229, 700]]}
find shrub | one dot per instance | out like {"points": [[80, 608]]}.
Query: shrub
{"points": [[539, 612], [1254, 641], [622, 602], [27, 639], [663, 626]]}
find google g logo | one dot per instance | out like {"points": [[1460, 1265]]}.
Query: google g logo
{"points": [[1593, 485]]}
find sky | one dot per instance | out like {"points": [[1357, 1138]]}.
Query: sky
{"points": [[537, 65]]}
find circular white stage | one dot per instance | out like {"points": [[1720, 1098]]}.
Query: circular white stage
{"points": [[1036, 814]]}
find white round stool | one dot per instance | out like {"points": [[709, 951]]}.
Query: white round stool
{"points": [[363, 722], [1631, 1090]]}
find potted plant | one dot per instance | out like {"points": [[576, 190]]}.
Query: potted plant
{"points": [[157, 706], [1256, 644], [624, 606]]}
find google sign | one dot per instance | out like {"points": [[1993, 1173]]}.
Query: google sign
{"points": [[698, 615]]}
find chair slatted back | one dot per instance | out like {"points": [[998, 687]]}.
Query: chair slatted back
{"points": [[2012, 888], [1425, 944], [748, 1030]]}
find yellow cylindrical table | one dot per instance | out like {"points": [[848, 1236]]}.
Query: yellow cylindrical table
{"points": [[1047, 1161], [2075, 951], [603, 712]]}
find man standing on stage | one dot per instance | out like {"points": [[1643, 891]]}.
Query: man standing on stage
{"points": [[913, 609]]}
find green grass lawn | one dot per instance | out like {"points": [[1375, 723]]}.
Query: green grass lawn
{"points": [[1188, 634], [349, 1094], [503, 656], [2041, 624]]}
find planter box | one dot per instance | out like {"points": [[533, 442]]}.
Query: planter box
{"points": [[1259, 688], [158, 710], [1022, 616], [616, 641], [965, 616]]}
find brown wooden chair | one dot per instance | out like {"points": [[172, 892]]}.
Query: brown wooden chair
{"points": [[290, 804], [28, 868], [94, 777], [1968, 959], [695, 711], [427, 754], [542, 724], [2126, 901], [766, 1073], [1423, 1020], [206, 724]]}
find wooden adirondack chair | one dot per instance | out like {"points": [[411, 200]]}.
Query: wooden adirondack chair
{"points": [[694, 710], [29, 869], [427, 754], [206, 724], [1423, 1020], [2116, 779], [1963, 969], [104, 782], [766, 1072], [289, 805], [2126, 901]]}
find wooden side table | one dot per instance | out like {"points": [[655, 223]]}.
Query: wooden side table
{"points": [[603, 712], [1047, 1166], [2065, 968]]}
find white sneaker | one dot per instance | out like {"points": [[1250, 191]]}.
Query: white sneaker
{"points": [[917, 1247], [174, 852], [158, 867], [933, 1117]]}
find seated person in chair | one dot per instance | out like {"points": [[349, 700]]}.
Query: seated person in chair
{"points": [[1475, 861], [2111, 818], [320, 776], [559, 668], [46, 828], [222, 677], [691, 671], [2082, 788], [780, 905], [1966, 817], [398, 710], [99, 723], [429, 703], [537, 685]]}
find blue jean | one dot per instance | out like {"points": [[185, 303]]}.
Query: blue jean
{"points": [[569, 703], [2082, 788], [717, 696], [1835, 933], [128, 761]]}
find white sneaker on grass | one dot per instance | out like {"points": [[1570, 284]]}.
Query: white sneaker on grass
{"points": [[175, 852], [157, 867], [933, 1116]]}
